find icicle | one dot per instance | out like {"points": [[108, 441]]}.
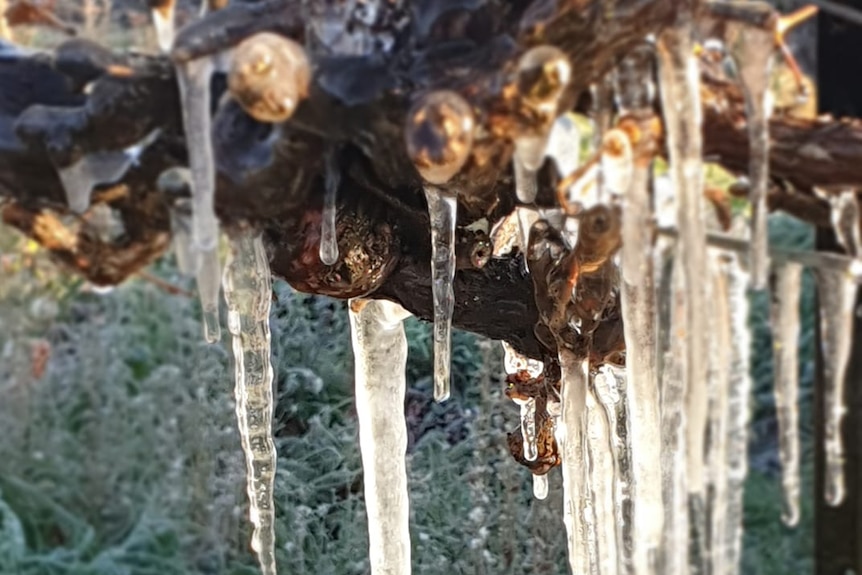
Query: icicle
{"points": [[528, 428], [194, 81], [640, 322], [571, 436], [540, 486], [439, 138], [610, 470], [163, 21], [328, 239], [679, 83], [785, 346], [248, 293], [845, 222], [188, 260], [515, 362], [836, 296], [208, 291], [543, 74], [442, 211], [752, 51], [380, 349], [739, 392], [716, 445]]}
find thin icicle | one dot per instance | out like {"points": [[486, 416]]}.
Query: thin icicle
{"points": [[752, 50], [717, 421], [194, 81], [679, 82], [328, 238], [248, 293], [604, 480], [836, 296], [612, 391], [739, 393], [380, 349], [571, 432], [845, 222], [785, 346], [442, 211], [208, 291]]}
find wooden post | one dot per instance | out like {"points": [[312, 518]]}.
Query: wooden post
{"points": [[838, 530]]}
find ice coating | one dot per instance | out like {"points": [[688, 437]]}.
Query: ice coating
{"points": [[542, 76], [269, 76], [442, 212], [380, 351], [785, 349], [328, 238], [571, 435], [513, 362], [194, 80], [679, 82], [248, 294], [208, 280], [96, 168], [739, 393], [836, 296], [752, 50]]}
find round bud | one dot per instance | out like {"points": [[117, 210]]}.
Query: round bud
{"points": [[439, 135], [543, 74], [269, 75]]}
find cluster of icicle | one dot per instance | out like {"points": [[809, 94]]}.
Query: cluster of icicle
{"points": [[685, 403]]}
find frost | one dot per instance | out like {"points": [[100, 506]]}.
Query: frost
{"points": [[380, 349], [248, 294]]}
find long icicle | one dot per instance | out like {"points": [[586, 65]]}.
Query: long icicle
{"points": [[836, 296], [571, 429], [785, 347], [717, 421], [380, 351], [679, 82], [248, 294], [738, 408], [442, 211], [609, 467]]}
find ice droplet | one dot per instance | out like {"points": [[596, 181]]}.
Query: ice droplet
{"points": [[380, 349], [540, 486], [442, 211], [528, 428], [248, 294], [785, 347]]}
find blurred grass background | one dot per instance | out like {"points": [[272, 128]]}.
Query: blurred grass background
{"points": [[122, 457]]}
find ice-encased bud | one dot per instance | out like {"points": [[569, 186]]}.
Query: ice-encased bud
{"points": [[269, 76], [439, 135], [543, 74]]}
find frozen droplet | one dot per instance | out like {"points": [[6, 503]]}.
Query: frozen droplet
{"points": [[380, 351], [836, 296], [209, 281], [328, 237], [442, 212], [269, 76], [540, 486], [785, 347], [194, 81], [439, 135], [248, 295]]}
